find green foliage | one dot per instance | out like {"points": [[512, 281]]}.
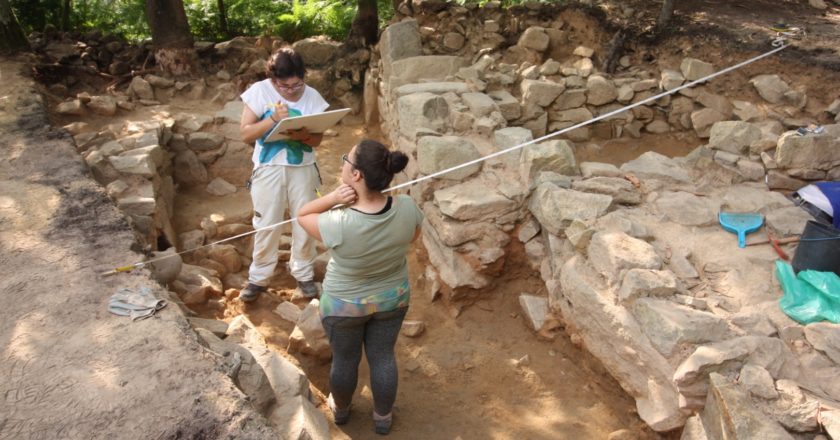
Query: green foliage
{"points": [[316, 17], [34, 15], [244, 17], [385, 9], [289, 19], [122, 17]]}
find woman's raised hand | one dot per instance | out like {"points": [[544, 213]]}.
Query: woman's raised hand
{"points": [[344, 195], [280, 112]]}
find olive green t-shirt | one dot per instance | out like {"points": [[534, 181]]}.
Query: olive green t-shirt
{"points": [[368, 250]]}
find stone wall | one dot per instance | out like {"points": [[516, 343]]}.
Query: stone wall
{"points": [[635, 265]]}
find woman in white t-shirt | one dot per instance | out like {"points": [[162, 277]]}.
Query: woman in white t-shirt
{"points": [[285, 174], [366, 289]]}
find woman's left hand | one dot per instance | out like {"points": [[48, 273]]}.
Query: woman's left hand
{"points": [[301, 135], [343, 195]]}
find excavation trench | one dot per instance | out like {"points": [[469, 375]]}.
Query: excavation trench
{"points": [[477, 371], [636, 277]]}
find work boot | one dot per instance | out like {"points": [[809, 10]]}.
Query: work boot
{"points": [[251, 292], [308, 288]]}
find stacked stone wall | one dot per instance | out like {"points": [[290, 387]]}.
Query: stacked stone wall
{"points": [[635, 265]]}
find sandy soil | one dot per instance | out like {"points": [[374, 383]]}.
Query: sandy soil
{"points": [[70, 369], [458, 379], [74, 371]]}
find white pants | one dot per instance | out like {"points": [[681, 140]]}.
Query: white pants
{"points": [[273, 188]]}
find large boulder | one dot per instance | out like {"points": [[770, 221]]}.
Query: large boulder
{"points": [[733, 136], [541, 93], [234, 165], [555, 156], [694, 69], [688, 209], [818, 152], [249, 375], [421, 111], [316, 51], [473, 200], [753, 198], [702, 120], [613, 336], [399, 41], [424, 68], [600, 90], [439, 153], [454, 233], [669, 325], [534, 38], [730, 414], [204, 141], [691, 377], [555, 208], [508, 137], [141, 89], [614, 253], [459, 268], [653, 165], [188, 170], [508, 105], [771, 87], [103, 105], [479, 104]]}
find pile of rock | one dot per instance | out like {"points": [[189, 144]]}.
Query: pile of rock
{"points": [[99, 52], [276, 387], [636, 267], [142, 162]]}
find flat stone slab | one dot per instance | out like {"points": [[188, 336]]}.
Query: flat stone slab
{"points": [[437, 88], [472, 200], [555, 208], [730, 414], [687, 209], [652, 165]]}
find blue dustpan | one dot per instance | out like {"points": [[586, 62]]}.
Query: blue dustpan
{"points": [[741, 224]]}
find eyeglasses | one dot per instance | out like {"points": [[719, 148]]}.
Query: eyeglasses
{"points": [[345, 158], [289, 87]]}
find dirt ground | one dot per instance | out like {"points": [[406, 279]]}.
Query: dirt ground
{"points": [[71, 370], [459, 378]]}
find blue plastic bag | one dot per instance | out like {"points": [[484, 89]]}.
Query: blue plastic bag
{"points": [[810, 296]]}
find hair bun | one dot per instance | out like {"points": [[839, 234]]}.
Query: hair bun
{"points": [[396, 161]]}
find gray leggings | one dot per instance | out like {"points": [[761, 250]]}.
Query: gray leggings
{"points": [[378, 333]]}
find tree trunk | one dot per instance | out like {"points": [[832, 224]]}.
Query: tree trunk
{"points": [[365, 25], [174, 51], [65, 15], [665, 14], [615, 49], [12, 38], [223, 24]]}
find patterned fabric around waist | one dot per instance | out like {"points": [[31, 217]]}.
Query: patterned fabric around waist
{"points": [[381, 302]]}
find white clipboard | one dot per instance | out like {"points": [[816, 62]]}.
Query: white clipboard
{"points": [[317, 123]]}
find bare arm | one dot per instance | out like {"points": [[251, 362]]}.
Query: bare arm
{"points": [[307, 216], [251, 128]]}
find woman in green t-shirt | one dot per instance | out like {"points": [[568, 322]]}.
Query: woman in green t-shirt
{"points": [[366, 290]]}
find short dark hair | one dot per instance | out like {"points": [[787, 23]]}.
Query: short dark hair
{"points": [[377, 164], [285, 63]]}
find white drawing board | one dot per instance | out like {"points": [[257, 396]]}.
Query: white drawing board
{"points": [[317, 123]]}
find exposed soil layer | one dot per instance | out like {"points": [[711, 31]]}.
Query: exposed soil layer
{"points": [[75, 371]]}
